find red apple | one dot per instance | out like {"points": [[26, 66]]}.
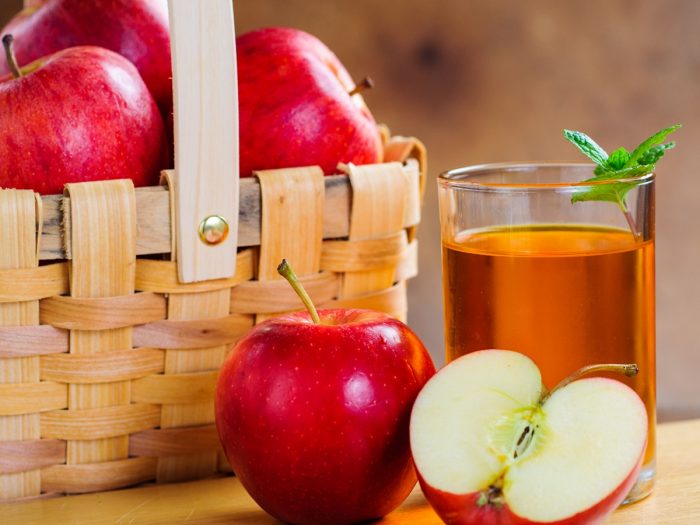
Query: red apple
{"points": [[136, 29], [313, 416], [295, 105], [492, 447], [77, 115]]}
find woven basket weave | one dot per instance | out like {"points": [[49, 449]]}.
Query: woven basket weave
{"points": [[108, 361]]}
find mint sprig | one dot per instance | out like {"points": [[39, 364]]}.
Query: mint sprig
{"points": [[619, 165]]}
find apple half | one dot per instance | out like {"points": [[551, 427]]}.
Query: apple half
{"points": [[491, 446]]}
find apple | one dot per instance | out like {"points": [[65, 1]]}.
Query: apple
{"points": [[136, 29], [492, 447], [299, 105], [81, 114], [312, 410]]}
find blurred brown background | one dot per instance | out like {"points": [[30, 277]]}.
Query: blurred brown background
{"points": [[482, 81]]}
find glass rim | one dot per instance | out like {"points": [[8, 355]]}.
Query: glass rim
{"points": [[448, 178]]}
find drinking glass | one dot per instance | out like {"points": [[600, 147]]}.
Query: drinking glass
{"points": [[567, 283]]}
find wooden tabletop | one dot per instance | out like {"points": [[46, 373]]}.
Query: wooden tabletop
{"points": [[676, 499]]}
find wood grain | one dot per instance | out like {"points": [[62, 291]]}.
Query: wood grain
{"points": [[153, 216], [24, 341], [675, 501], [292, 228], [187, 388], [196, 333], [98, 423], [291, 224], [28, 455], [161, 276], [205, 98], [159, 442], [18, 219], [102, 313], [30, 398], [97, 476], [103, 227], [379, 204], [105, 367], [29, 284]]}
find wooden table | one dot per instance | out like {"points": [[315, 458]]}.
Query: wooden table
{"points": [[676, 499]]}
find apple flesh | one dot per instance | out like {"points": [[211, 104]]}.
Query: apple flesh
{"points": [[136, 29], [295, 105], [81, 114], [491, 448], [313, 418]]}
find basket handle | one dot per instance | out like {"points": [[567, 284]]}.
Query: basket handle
{"points": [[205, 98]]}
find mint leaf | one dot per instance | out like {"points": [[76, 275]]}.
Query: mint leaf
{"points": [[604, 192], [655, 153], [618, 159], [610, 192], [602, 169], [587, 146], [619, 165], [644, 147], [625, 173]]}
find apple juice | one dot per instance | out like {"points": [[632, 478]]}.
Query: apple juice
{"points": [[566, 296]]}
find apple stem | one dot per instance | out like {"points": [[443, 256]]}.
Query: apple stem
{"points": [[629, 370], [7, 41], [286, 271], [365, 83]]}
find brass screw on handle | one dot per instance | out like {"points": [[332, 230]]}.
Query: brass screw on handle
{"points": [[213, 230]]}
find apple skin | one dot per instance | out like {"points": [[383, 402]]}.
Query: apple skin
{"points": [[462, 509], [136, 29], [81, 114], [314, 418], [295, 109]]}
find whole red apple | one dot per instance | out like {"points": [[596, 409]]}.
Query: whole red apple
{"points": [[313, 416], [492, 446], [77, 115], [136, 29], [295, 105]]}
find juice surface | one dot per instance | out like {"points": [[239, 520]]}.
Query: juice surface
{"points": [[567, 296]]}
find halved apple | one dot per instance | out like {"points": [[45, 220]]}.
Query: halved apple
{"points": [[491, 446]]}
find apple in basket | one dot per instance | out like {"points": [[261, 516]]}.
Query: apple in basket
{"points": [[136, 29], [299, 105], [491, 446], [81, 114], [313, 409]]}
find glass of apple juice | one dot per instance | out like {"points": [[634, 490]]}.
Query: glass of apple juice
{"points": [[568, 282]]}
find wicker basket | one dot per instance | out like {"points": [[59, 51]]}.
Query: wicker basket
{"points": [[109, 353]]}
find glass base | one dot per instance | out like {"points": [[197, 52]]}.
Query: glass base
{"points": [[644, 485]]}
